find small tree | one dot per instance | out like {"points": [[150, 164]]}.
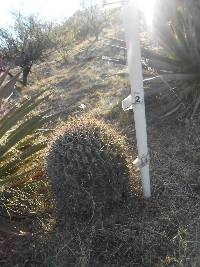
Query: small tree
{"points": [[63, 38], [93, 19], [26, 43]]}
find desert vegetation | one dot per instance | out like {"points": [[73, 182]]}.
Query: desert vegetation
{"points": [[26, 43], [69, 193]]}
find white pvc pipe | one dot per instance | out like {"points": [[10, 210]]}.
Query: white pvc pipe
{"points": [[131, 24]]}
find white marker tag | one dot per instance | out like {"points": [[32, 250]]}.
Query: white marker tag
{"points": [[130, 101], [127, 103]]}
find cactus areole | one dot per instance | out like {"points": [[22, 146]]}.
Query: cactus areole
{"points": [[136, 99]]}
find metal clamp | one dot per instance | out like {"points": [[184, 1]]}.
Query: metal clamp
{"points": [[140, 162]]}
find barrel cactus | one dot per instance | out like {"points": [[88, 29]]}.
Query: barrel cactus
{"points": [[88, 167]]}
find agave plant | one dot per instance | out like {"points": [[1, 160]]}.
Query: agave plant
{"points": [[6, 88], [178, 35], [178, 58], [21, 141]]}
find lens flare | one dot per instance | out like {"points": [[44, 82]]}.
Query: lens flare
{"points": [[147, 8]]}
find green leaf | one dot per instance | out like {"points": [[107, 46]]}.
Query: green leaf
{"points": [[13, 178], [19, 113], [14, 165], [3, 76], [27, 128], [8, 88]]}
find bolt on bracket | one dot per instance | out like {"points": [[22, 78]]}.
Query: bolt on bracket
{"points": [[140, 162]]}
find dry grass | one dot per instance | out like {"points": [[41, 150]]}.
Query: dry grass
{"points": [[163, 231]]}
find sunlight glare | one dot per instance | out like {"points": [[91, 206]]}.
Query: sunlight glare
{"points": [[147, 8]]}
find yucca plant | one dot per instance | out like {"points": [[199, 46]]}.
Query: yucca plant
{"points": [[178, 35], [7, 87], [21, 142], [177, 27]]}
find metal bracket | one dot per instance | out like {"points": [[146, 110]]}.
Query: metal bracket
{"points": [[132, 100], [140, 162]]}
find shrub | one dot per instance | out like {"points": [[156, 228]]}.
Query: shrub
{"points": [[63, 38], [89, 169]]}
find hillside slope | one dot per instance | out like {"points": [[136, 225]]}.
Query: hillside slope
{"points": [[163, 231]]}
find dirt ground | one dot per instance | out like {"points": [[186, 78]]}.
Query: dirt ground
{"points": [[163, 231]]}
